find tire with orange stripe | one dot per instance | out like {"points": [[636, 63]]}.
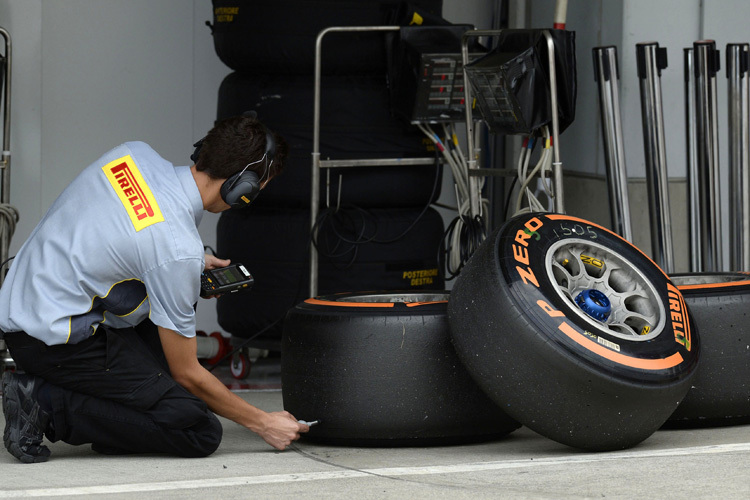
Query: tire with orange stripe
{"points": [[378, 369], [573, 331], [719, 305]]}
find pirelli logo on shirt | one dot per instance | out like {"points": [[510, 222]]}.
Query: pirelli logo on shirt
{"points": [[134, 193]]}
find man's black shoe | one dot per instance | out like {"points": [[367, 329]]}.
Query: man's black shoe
{"points": [[25, 421]]}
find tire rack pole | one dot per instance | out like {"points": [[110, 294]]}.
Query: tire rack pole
{"points": [[556, 163], [691, 154], [317, 163], [606, 74], [651, 59], [474, 193], [471, 163], [706, 65], [739, 168], [5, 163]]}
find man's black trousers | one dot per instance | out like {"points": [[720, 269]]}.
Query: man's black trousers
{"points": [[114, 390]]}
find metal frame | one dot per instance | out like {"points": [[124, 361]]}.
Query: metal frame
{"points": [[5, 162], [5, 359], [705, 60], [318, 164], [691, 153], [606, 73], [649, 75], [738, 56], [475, 171]]}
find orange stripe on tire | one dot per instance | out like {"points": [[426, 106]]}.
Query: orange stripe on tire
{"points": [[644, 364]]}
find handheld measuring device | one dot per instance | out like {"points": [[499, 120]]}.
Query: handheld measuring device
{"points": [[304, 422], [228, 279]]}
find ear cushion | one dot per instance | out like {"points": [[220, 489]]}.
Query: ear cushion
{"points": [[197, 151], [240, 189]]}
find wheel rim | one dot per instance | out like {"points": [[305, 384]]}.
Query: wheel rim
{"points": [[407, 297], [583, 271]]}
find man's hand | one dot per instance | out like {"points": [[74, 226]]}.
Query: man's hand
{"points": [[213, 262], [280, 429]]}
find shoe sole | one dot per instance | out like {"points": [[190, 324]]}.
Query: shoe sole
{"points": [[12, 410]]}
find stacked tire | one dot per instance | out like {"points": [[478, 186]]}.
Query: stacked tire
{"points": [[376, 230], [719, 304], [378, 369]]}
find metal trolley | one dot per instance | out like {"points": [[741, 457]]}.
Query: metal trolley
{"points": [[472, 152], [318, 163]]}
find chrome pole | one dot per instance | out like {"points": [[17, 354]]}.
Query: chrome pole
{"points": [[606, 74], [694, 233], [5, 163], [651, 59], [315, 176], [557, 166], [471, 155], [706, 65], [739, 168]]}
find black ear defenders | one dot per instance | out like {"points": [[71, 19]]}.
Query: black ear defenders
{"points": [[242, 188]]}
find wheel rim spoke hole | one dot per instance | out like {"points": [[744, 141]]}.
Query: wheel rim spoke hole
{"points": [[605, 289]]}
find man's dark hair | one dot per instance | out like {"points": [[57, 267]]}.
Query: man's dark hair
{"points": [[235, 142]]}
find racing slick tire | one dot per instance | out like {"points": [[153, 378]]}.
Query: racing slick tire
{"points": [[573, 331], [378, 369], [719, 304], [273, 37]]}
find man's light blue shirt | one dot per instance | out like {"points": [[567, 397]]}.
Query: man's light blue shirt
{"points": [[120, 244]]}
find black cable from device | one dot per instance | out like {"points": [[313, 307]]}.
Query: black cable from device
{"points": [[6, 261], [241, 346], [332, 247], [472, 234], [3, 265], [342, 217]]}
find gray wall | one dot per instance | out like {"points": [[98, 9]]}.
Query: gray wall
{"points": [[91, 74]]}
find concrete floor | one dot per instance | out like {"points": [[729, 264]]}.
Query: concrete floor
{"points": [[705, 463]]}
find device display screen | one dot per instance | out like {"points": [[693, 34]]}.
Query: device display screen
{"points": [[228, 275], [226, 280]]}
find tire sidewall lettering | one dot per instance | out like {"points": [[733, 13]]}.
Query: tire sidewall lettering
{"points": [[522, 249]]}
